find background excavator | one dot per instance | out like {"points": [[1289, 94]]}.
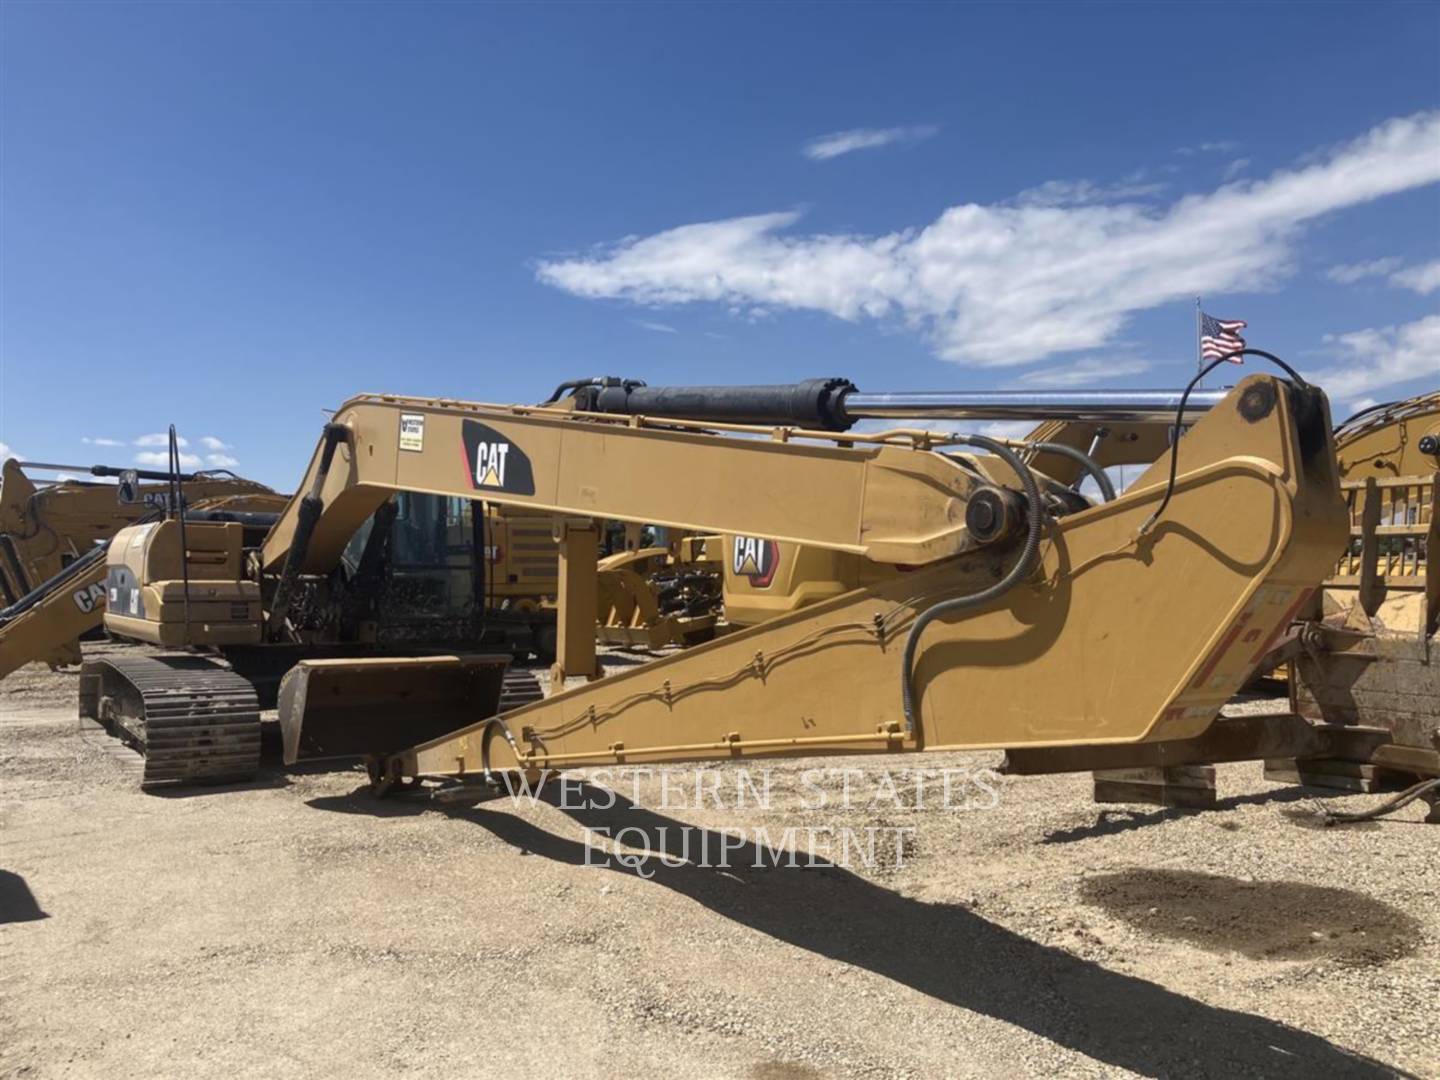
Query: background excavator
{"points": [[1002, 609], [52, 561], [1367, 653]]}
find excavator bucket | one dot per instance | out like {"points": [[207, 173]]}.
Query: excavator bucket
{"points": [[346, 708]]}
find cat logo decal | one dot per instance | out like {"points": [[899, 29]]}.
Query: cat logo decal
{"points": [[493, 462], [756, 560]]}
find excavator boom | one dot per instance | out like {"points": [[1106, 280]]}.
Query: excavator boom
{"points": [[1252, 523]]}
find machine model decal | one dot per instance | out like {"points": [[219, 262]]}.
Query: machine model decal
{"points": [[89, 598], [124, 592], [756, 559], [494, 462], [412, 431]]}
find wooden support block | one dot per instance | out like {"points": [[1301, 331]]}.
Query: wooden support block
{"points": [[1334, 774], [1190, 786]]}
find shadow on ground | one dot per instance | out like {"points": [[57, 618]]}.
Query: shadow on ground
{"points": [[17, 903], [945, 951], [1111, 822]]}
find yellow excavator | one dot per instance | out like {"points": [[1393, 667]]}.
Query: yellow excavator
{"points": [[52, 536], [1366, 655], [998, 608]]}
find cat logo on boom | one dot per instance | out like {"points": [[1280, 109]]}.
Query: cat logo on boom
{"points": [[490, 464], [493, 462], [756, 560]]}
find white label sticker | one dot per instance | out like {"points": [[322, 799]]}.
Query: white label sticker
{"points": [[412, 431]]}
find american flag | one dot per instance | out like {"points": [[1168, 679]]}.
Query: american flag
{"points": [[1220, 336]]}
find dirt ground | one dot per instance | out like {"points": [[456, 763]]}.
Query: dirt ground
{"points": [[297, 927]]}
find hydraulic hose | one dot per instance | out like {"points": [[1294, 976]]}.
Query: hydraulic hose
{"points": [[568, 385], [1180, 418], [1088, 463], [177, 507], [1018, 573], [307, 515]]}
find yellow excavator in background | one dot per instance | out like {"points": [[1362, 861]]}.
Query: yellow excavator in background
{"points": [[1367, 654], [1001, 609], [52, 562]]}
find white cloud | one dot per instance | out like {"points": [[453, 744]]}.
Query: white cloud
{"points": [[1219, 146], [6, 452], [1378, 357], [1424, 279], [1235, 168], [222, 461], [161, 459], [1087, 192], [845, 142], [1006, 284], [1002, 429], [994, 429], [210, 442], [88, 441], [656, 327], [159, 439], [1091, 371], [1349, 273]]}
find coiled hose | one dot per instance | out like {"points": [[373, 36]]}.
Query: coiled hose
{"points": [[1018, 573]]}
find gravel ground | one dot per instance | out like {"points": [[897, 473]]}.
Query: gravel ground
{"points": [[296, 927]]}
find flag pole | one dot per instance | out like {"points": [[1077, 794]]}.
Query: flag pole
{"points": [[1199, 349]]}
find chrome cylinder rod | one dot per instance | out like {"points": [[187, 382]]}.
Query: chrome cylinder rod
{"points": [[1101, 406]]}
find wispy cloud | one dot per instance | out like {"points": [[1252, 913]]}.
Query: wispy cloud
{"points": [[1423, 279], [1088, 192], [656, 327], [210, 442], [1003, 284], [161, 459], [6, 452], [1349, 273], [1234, 169], [1091, 371], [1378, 357], [160, 439], [88, 441], [222, 461], [1216, 146], [836, 143]]}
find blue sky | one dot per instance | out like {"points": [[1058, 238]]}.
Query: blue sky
{"points": [[233, 217]]}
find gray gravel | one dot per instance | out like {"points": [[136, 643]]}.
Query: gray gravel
{"points": [[295, 927]]}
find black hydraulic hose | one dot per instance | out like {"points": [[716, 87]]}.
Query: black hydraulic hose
{"points": [[1088, 463], [177, 507], [570, 384], [1180, 418], [580, 384], [1389, 806], [1018, 573], [50, 584], [307, 515]]}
